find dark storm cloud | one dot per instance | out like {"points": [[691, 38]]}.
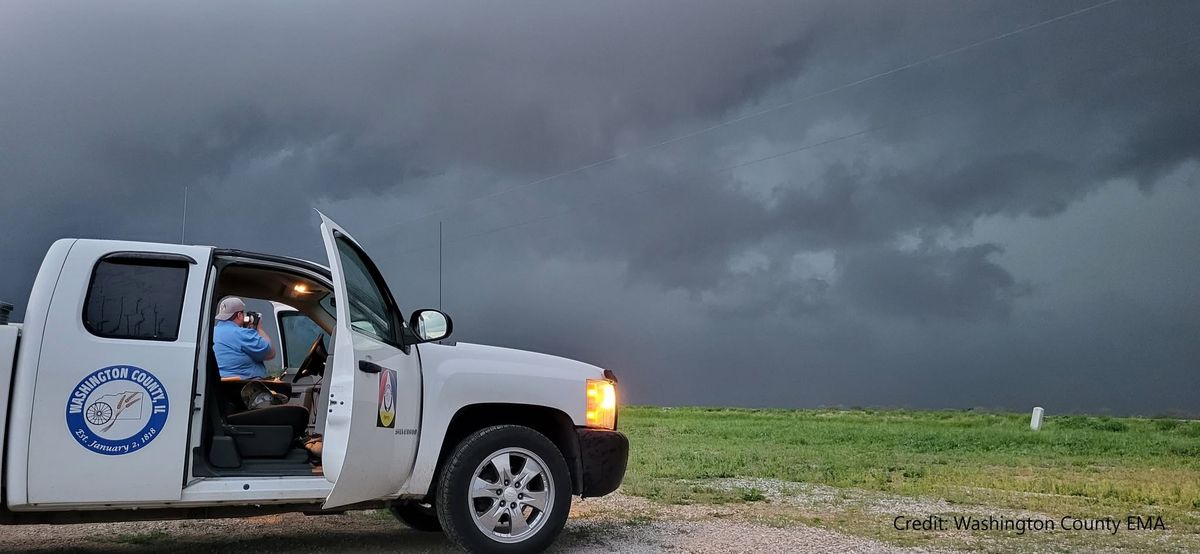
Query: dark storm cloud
{"points": [[485, 84], [825, 247], [1018, 149], [930, 281]]}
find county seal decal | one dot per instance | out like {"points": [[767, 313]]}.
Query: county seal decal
{"points": [[117, 410], [387, 399]]}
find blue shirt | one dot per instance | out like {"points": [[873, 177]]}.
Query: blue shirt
{"points": [[240, 351]]}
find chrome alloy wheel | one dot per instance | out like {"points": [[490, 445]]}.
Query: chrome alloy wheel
{"points": [[511, 494]]}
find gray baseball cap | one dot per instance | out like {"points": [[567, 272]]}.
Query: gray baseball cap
{"points": [[230, 305]]}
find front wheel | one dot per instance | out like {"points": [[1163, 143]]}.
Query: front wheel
{"points": [[504, 489]]}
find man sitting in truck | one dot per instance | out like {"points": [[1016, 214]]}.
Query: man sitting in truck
{"points": [[240, 351]]}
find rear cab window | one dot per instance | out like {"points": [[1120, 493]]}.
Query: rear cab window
{"points": [[136, 297]]}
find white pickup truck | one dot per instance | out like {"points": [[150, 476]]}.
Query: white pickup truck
{"points": [[116, 410]]}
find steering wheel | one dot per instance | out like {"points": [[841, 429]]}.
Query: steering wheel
{"points": [[314, 362]]}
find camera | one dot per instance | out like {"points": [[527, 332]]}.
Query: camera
{"points": [[251, 319]]}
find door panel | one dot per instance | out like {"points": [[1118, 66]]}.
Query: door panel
{"points": [[374, 384], [114, 380]]}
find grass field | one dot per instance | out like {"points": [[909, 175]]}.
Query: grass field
{"points": [[952, 462]]}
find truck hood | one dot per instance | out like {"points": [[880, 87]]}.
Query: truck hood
{"points": [[481, 356]]}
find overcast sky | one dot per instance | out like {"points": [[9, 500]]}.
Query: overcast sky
{"points": [[753, 203]]}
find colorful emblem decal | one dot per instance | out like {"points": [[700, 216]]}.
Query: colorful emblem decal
{"points": [[387, 399], [117, 410]]}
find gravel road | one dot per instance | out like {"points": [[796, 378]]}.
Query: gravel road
{"points": [[597, 525]]}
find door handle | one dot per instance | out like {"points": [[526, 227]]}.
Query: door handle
{"points": [[369, 367]]}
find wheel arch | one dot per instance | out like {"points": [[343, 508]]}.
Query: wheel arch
{"points": [[553, 423]]}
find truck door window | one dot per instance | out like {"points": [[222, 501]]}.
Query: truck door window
{"points": [[298, 334], [130, 298], [370, 306]]}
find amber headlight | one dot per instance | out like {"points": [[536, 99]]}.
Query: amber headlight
{"points": [[601, 404]]}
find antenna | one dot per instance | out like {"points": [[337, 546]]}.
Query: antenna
{"points": [[439, 265], [183, 225]]}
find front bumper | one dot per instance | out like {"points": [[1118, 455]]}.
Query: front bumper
{"points": [[603, 456]]}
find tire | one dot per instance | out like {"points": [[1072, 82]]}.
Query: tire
{"points": [[421, 517], [466, 513]]}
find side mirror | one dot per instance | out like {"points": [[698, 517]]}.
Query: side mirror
{"points": [[431, 325]]}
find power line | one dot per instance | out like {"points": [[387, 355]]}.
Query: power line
{"points": [[1108, 65], [755, 114]]}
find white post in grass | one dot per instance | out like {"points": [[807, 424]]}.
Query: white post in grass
{"points": [[1035, 422]]}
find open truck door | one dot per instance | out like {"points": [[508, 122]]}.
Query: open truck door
{"points": [[374, 381]]}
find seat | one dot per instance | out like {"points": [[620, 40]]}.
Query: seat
{"points": [[289, 415], [231, 391], [233, 433]]}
